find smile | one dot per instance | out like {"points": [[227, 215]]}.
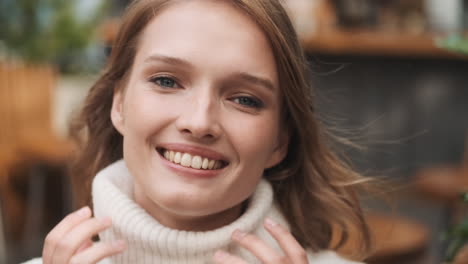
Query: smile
{"points": [[192, 161]]}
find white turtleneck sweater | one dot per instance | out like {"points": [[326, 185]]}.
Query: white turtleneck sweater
{"points": [[150, 242]]}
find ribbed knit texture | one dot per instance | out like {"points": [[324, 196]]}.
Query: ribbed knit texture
{"points": [[150, 242]]}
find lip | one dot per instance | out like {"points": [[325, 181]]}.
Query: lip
{"points": [[191, 172]]}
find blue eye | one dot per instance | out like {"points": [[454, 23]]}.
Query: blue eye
{"points": [[165, 82], [248, 102]]}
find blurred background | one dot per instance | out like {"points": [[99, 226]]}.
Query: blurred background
{"points": [[390, 75]]}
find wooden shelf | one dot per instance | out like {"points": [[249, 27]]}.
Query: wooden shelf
{"points": [[375, 43], [335, 41]]}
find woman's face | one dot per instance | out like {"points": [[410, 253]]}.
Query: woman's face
{"points": [[200, 114]]}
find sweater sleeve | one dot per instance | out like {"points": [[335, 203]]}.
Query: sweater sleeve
{"points": [[328, 257]]}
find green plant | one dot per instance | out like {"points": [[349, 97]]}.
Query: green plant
{"points": [[454, 43], [457, 235], [47, 31]]}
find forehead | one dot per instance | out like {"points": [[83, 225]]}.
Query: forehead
{"points": [[212, 34]]}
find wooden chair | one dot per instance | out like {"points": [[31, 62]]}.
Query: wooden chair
{"points": [[396, 239], [27, 138], [462, 256], [26, 94], [444, 184], [3, 249]]}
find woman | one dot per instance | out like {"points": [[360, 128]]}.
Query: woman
{"points": [[204, 140]]}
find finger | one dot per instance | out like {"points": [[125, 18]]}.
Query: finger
{"points": [[97, 252], [59, 231], [88, 243], [72, 241], [259, 248], [287, 242], [223, 257]]}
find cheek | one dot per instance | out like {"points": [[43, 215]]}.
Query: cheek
{"points": [[255, 138], [146, 113]]}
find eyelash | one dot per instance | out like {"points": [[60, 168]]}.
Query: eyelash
{"points": [[246, 101], [251, 103], [157, 80]]}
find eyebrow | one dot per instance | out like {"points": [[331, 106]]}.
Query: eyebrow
{"points": [[247, 77], [244, 76], [169, 60]]}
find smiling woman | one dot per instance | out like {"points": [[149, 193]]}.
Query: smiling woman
{"points": [[201, 145]]}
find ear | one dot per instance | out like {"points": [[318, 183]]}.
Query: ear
{"points": [[116, 114], [280, 150]]}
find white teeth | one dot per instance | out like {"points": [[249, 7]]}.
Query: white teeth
{"points": [[195, 162], [205, 163], [211, 164], [177, 157], [186, 160]]}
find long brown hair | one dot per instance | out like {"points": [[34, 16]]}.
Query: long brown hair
{"points": [[315, 190]]}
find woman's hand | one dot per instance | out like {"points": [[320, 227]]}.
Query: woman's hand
{"points": [[295, 254], [70, 241]]}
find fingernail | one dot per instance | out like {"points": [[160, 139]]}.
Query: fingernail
{"points": [[238, 234], [220, 255], [83, 211], [119, 244], [270, 223]]}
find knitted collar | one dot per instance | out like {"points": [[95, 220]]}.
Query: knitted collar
{"points": [[150, 242]]}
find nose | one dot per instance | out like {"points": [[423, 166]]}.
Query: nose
{"points": [[198, 119]]}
